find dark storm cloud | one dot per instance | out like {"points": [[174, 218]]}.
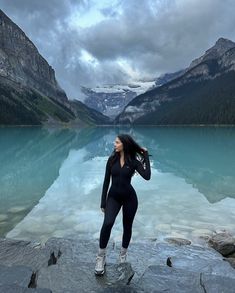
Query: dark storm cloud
{"points": [[162, 37], [153, 37], [46, 24]]}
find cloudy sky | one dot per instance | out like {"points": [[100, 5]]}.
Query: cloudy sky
{"points": [[96, 42]]}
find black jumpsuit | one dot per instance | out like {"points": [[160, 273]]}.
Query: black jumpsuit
{"points": [[121, 193]]}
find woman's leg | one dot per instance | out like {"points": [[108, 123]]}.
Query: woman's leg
{"points": [[129, 210], [111, 211]]}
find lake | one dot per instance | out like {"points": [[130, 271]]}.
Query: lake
{"points": [[51, 181]]}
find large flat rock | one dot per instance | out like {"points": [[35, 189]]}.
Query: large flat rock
{"points": [[73, 249], [73, 278], [141, 254], [20, 252], [187, 257], [18, 275], [217, 284], [19, 289], [17, 279], [67, 265], [167, 279]]}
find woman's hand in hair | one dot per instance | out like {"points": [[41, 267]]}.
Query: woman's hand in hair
{"points": [[144, 150], [102, 209]]}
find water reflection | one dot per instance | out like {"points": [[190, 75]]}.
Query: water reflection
{"points": [[203, 156], [30, 162], [59, 172]]}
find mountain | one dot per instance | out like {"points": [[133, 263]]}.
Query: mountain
{"points": [[29, 92], [164, 78], [204, 94], [111, 99], [220, 47]]}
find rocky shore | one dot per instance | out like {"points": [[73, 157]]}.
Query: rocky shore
{"points": [[67, 265]]}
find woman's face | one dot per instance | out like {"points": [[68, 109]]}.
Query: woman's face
{"points": [[118, 145]]}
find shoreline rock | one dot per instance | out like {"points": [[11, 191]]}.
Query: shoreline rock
{"points": [[67, 265], [224, 243]]}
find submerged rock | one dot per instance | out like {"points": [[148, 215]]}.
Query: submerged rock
{"points": [[178, 241]]}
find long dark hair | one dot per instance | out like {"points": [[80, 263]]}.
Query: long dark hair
{"points": [[131, 148]]}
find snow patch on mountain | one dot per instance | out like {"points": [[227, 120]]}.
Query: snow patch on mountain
{"points": [[137, 87]]}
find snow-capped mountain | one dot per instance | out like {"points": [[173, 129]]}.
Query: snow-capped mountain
{"points": [[111, 99]]}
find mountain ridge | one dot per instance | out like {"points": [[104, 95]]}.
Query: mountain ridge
{"points": [[29, 91], [151, 104]]}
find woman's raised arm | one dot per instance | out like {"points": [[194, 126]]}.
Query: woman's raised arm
{"points": [[145, 173]]}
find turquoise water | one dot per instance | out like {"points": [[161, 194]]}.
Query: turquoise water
{"points": [[51, 181]]}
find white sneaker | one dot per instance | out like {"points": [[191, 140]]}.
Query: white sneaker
{"points": [[100, 265], [122, 258]]}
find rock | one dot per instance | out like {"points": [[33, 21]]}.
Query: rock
{"points": [[223, 242], [232, 255], [178, 241], [214, 283], [63, 265], [185, 257], [18, 279], [67, 265], [19, 252], [231, 260], [169, 262], [118, 289], [19, 289], [160, 279], [19, 275], [80, 277]]}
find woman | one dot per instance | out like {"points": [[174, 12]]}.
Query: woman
{"points": [[126, 158]]}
